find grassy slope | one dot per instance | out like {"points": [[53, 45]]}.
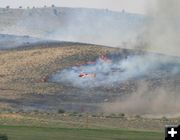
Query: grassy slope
{"points": [[23, 71], [33, 133], [71, 120]]}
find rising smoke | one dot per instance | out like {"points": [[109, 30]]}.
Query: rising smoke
{"points": [[157, 102], [119, 70], [93, 26], [161, 35], [162, 31], [156, 78]]}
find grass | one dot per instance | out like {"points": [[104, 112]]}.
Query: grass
{"points": [[40, 133], [24, 71], [69, 120]]}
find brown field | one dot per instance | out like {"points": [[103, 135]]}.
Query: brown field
{"points": [[24, 87], [24, 72], [71, 120]]}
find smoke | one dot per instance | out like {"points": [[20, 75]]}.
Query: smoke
{"points": [[160, 35], [163, 29], [161, 101], [118, 70], [99, 27], [11, 41], [156, 90], [93, 26]]}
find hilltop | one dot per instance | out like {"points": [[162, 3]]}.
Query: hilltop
{"points": [[98, 26]]}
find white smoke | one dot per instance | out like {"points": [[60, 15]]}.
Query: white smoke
{"points": [[162, 31], [11, 41], [93, 26], [119, 70], [161, 101], [161, 35]]}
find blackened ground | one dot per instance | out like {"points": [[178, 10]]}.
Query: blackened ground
{"points": [[24, 74]]}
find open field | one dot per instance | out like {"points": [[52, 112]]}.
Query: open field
{"points": [[84, 120], [24, 72], [61, 80], [29, 101], [40, 133]]}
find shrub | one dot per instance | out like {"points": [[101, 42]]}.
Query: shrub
{"points": [[61, 111], [55, 12], [113, 115], [164, 118], [73, 114], [3, 137], [138, 116], [94, 115], [122, 115], [80, 115]]}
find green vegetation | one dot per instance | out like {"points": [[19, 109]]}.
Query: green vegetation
{"points": [[40, 133], [3, 137], [61, 111], [25, 80]]}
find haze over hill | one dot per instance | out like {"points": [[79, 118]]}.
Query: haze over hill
{"points": [[14, 41], [50, 69], [73, 24]]}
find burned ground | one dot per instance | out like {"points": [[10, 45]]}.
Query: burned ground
{"points": [[24, 72], [25, 78]]}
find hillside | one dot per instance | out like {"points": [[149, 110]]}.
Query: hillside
{"points": [[83, 73], [24, 72], [72, 24], [25, 78], [14, 41]]}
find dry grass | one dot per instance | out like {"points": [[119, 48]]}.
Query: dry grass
{"points": [[26, 71], [69, 121]]}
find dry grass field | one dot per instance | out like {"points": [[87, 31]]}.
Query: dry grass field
{"points": [[25, 71], [82, 120], [24, 84]]}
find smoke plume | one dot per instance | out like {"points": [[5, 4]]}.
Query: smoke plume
{"points": [[161, 101], [161, 35], [163, 29], [119, 70], [95, 26]]}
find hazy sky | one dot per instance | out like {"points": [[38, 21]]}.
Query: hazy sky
{"points": [[135, 6]]}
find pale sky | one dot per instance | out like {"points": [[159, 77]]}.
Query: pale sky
{"points": [[134, 6]]}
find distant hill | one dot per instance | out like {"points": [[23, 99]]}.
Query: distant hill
{"points": [[99, 26], [13, 41]]}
